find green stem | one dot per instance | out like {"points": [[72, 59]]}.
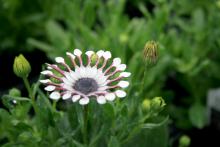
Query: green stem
{"points": [[85, 127], [136, 129], [54, 105], [143, 80], [30, 93]]}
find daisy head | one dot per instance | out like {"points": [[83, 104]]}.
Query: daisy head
{"points": [[98, 78]]}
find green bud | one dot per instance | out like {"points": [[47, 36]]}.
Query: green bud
{"points": [[184, 141], [21, 66], [157, 103], [218, 3], [123, 38], [150, 52], [146, 105], [15, 92]]}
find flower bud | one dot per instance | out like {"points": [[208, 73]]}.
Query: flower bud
{"points": [[14, 92], [150, 52], [157, 103], [123, 38], [146, 105], [21, 66], [184, 141]]}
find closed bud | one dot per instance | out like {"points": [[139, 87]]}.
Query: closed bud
{"points": [[157, 103], [21, 66], [150, 52], [123, 38], [14, 92], [184, 141], [146, 105]]}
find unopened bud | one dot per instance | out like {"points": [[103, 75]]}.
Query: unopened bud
{"points": [[123, 38], [150, 52], [21, 66], [184, 141], [146, 105], [14, 92], [157, 103]]}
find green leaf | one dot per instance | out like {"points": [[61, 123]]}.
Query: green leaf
{"points": [[155, 125], [96, 138], [113, 142], [57, 35], [40, 45], [109, 111], [197, 115]]}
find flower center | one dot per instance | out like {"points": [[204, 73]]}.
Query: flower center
{"points": [[86, 85]]}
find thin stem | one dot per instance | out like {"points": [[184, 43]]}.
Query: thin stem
{"points": [[30, 93], [85, 127], [136, 129], [143, 81], [54, 105]]}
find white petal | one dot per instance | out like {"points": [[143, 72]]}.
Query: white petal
{"points": [[66, 95], [102, 88], [59, 60], [66, 81], [84, 101], [82, 72], [74, 75], [110, 96], [89, 53], [100, 78], [45, 81], [48, 67], [67, 87], [121, 67], [116, 61], [50, 88], [92, 72], [77, 52], [123, 84], [100, 53], [101, 100], [75, 98], [47, 72], [71, 55], [104, 84], [125, 74], [120, 93], [69, 77], [55, 95], [77, 71], [107, 55]]}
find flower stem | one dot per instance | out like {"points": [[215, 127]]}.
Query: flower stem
{"points": [[143, 80], [30, 93], [54, 105], [85, 127]]}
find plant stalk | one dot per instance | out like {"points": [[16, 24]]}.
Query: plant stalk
{"points": [[85, 127], [30, 93]]}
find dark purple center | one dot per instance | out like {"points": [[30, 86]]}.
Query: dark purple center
{"points": [[86, 85]]}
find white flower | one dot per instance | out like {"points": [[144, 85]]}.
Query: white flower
{"points": [[82, 82]]}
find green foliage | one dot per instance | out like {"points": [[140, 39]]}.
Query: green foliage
{"points": [[188, 37], [197, 115], [108, 125]]}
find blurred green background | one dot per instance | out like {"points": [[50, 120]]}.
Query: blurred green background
{"points": [[187, 32]]}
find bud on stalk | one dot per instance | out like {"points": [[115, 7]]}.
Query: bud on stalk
{"points": [[21, 66]]}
